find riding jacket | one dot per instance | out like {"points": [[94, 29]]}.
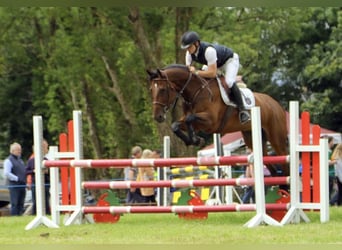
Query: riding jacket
{"points": [[223, 54]]}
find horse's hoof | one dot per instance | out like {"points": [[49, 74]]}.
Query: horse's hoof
{"points": [[200, 142]]}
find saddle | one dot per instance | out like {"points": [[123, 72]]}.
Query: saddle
{"points": [[246, 93]]}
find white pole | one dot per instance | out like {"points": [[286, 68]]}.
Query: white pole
{"points": [[259, 186], [295, 212], [166, 154], [229, 189], [324, 181], [54, 187], [218, 152], [39, 177], [77, 215]]}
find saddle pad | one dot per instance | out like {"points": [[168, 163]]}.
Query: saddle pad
{"points": [[246, 93]]}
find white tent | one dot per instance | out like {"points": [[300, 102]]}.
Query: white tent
{"points": [[233, 141]]}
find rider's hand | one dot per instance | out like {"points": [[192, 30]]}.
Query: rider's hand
{"points": [[192, 69]]}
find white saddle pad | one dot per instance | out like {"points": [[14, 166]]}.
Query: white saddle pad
{"points": [[246, 93]]}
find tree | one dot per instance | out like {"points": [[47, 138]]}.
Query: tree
{"points": [[54, 60]]}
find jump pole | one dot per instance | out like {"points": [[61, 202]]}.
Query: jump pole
{"points": [[181, 162], [218, 152], [77, 215], [182, 183], [163, 196], [39, 178], [296, 213], [261, 216], [181, 209], [260, 207], [73, 205]]}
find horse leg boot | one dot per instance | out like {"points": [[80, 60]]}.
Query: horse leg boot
{"points": [[243, 114], [175, 126]]}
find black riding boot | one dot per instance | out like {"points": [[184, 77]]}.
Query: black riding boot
{"points": [[243, 114]]}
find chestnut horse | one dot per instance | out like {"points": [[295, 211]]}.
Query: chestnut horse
{"points": [[204, 110]]}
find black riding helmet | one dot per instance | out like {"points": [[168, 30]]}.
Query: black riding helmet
{"points": [[189, 38]]}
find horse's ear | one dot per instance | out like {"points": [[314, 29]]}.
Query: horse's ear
{"points": [[152, 74], [159, 73]]}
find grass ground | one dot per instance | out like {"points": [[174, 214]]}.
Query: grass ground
{"points": [[168, 229]]}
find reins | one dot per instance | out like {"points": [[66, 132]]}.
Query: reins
{"points": [[180, 93]]}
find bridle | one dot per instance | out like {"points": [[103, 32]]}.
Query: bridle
{"points": [[166, 106]]}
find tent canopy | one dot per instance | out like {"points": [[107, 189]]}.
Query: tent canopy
{"points": [[233, 141]]}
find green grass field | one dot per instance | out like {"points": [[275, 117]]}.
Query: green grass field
{"points": [[168, 229]]}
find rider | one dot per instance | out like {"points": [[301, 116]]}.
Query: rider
{"points": [[214, 56]]}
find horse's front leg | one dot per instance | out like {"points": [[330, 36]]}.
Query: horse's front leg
{"points": [[196, 140], [185, 131], [177, 129]]}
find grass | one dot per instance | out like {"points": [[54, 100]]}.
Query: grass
{"points": [[168, 229]]}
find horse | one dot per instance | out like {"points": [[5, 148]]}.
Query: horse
{"points": [[205, 112]]}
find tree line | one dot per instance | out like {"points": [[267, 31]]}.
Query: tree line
{"points": [[57, 59]]}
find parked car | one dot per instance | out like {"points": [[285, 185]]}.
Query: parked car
{"points": [[4, 193]]}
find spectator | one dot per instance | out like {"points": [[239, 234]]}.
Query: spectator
{"points": [[133, 194], [336, 159], [14, 171], [30, 173], [332, 177], [249, 173], [147, 174], [156, 154]]}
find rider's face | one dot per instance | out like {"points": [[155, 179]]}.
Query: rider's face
{"points": [[192, 48]]}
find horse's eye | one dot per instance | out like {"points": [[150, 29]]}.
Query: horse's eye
{"points": [[162, 91]]}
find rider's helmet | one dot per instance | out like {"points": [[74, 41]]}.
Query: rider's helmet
{"points": [[189, 38]]}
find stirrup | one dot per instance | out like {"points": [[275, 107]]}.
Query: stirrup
{"points": [[244, 117]]}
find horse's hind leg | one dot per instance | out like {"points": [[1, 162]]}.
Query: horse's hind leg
{"points": [[247, 136], [279, 143]]}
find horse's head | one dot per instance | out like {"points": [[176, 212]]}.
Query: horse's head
{"points": [[162, 92]]}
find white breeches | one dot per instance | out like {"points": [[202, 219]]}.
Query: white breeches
{"points": [[231, 68]]}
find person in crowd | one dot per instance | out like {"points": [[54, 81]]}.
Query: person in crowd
{"points": [[332, 177], [156, 154], [214, 57], [147, 174], [336, 159], [300, 171], [133, 194], [30, 173], [14, 172], [249, 194]]}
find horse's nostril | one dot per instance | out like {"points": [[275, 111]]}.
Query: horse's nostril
{"points": [[159, 118]]}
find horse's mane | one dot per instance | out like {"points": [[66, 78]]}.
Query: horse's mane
{"points": [[178, 66]]}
